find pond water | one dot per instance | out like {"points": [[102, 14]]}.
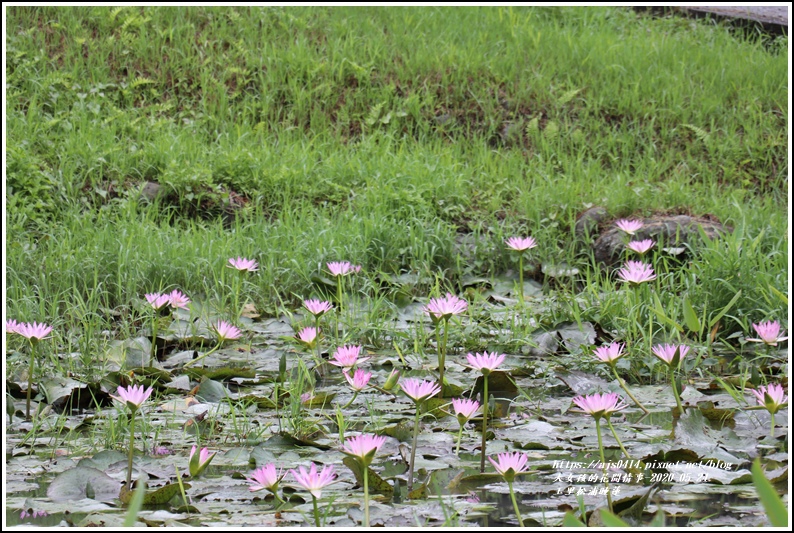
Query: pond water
{"points": [[244, 404]]}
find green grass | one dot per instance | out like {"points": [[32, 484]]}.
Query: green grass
{"points": [[382, 136]]}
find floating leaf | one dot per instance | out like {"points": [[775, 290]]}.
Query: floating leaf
{"points": [[374, 481], [78, 482], [103, 459], [160, 496], [66, 393], [419, 493], [130, 353], [211, 391]]}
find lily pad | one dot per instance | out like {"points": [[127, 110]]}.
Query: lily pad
{"points": [[83, 482], [67, 393], [534, 435], [374, 481], [102, 460], [130, 353], [160, 496], [211, 391]]}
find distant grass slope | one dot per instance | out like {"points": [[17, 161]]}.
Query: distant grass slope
{"points": [[378, 135]]}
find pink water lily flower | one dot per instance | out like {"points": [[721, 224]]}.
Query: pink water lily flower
{"points": [[611, 353], [314, 481], [445, 307], [485, 363], [768, 333], [244, 265], [178, 300], [363, 447], [264, 477], [308, 336], [359, 380], [35, 514], [307, 397], [343, 268], [640, 247], [316, 307], [636, 272], [347, 357], [157, 300], [667, 353], [464, 409], [419, 390], [34, 331], [133, 396], [519, 244], [198, 462], [629, 226], [226, 331], [600, 405], [510, 464], [773, 397]]}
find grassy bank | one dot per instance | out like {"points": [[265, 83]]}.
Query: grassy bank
{"points": [[408, 140]]}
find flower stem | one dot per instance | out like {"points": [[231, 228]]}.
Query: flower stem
{"points": [[484, 421], [30, 377], [772, 432], [129, 459], [413, 451], [615, 434], [442, 356], [626, 388], [603, 461], [521, 283], [339, 282], [460, 436], [515, 504], [154, 339], [675, 392], [366, 497], [355, 395], [317, 327], [199, 358], [316, 512], [237, 310]]}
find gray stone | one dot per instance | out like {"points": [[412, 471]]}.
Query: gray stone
{"points": [[667, 231], [589, 222], [151, 191]]}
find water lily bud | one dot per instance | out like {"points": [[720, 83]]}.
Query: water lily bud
{"points": [[391, 381]]}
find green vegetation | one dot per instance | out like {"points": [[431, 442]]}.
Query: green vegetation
{"points": [[373, 135], [148, 145]]}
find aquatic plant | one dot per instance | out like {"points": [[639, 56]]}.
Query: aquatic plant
{"points": [[441, 310], [133, 397], [509, 465], [485, 363], [364, 448]]}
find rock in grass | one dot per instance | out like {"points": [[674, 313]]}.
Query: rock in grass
{"points": [[667, 231]]}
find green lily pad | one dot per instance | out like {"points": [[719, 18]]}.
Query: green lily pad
{"points": [[83, 482], [67, 393], [418, 493], [130, 353], [161, 496], [534, 435], [402, 430], [374, 481], [211, 391], [227, 373], [102, 460]]}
